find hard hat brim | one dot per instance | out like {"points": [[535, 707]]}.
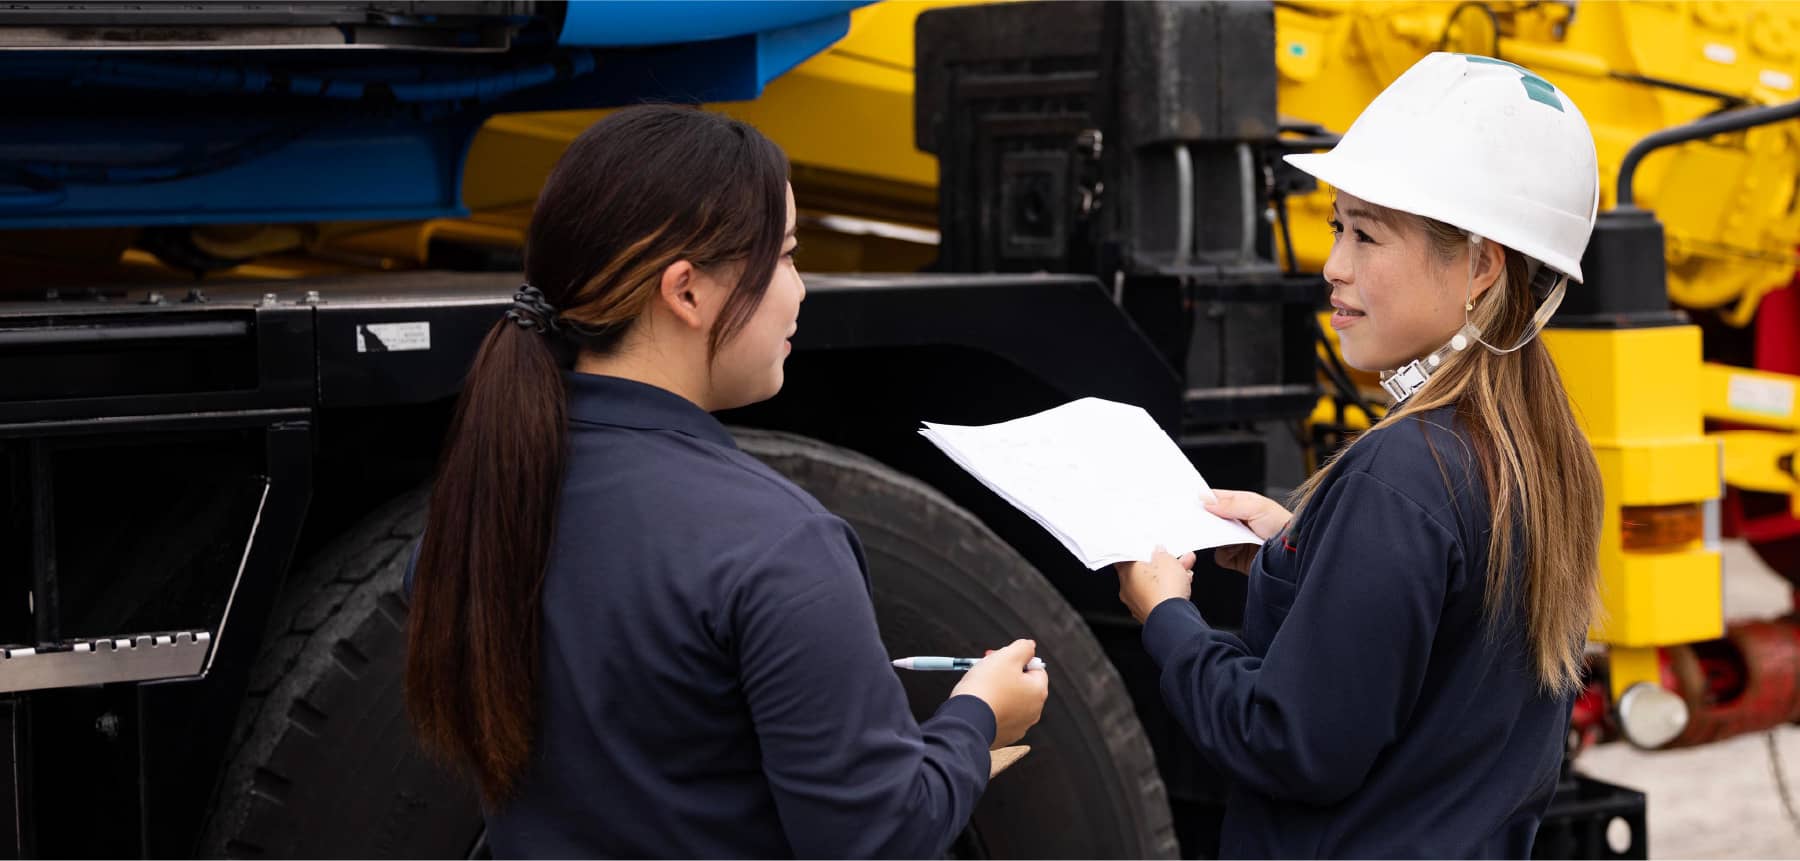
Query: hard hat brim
{"points": [[1378, 187]]}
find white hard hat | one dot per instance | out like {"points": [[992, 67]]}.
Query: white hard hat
{"points": [[1480, 144]]}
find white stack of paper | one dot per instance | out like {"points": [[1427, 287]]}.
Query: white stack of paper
{"points": [[1101, 476]]}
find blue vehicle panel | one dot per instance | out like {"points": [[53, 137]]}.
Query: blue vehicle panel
{"points": [[105, 138]]}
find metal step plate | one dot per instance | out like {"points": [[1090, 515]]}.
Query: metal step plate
{"points": [[134, 658]]}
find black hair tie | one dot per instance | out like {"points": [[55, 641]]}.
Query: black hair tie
{"points": [[532, 311]]}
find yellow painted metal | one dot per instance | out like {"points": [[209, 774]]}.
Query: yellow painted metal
{"points": [[1726, 203], [1753, 460], [1660, 472], [1631, 385], [1660, 599], [1759, 460], [1325, 412], [1628, 666], [1747, 397], [849, 111], [1636, 393]]}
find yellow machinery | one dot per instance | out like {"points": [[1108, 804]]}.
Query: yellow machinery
{"points": [[1634, 68]]}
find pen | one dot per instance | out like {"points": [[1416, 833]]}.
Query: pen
{"points": [[926, 662]]}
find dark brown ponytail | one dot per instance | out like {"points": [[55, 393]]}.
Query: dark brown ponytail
{"points": [[640, 190]]}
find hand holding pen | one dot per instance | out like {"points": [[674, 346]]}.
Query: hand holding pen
{"points": [[1011, 681], [932, 662]]}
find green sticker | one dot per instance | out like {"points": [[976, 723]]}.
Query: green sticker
{"points": [[1537, 89]]}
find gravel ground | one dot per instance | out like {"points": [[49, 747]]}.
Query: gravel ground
{"points": [[1718, 801]]}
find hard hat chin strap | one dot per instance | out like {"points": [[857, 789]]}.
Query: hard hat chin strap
{"points": [[1402, 382], [1411, 377]]}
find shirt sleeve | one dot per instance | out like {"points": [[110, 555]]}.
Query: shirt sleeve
{"points": [[853, 775], [1307, 721]]}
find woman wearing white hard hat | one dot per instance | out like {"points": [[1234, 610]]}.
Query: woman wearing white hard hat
{"points": [[1413, 636]]}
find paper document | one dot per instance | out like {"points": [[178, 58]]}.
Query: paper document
{"points": [[1101, 476], [1000, 759]]}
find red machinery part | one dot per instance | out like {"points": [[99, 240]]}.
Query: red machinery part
{"points": [[1764, 519], [1745, 683], [1589, 722]]}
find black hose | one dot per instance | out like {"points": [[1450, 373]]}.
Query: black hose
{"points": [[1287, 234], [1731, 101], [1339, 375], [1329, 364], [1696, 130]]}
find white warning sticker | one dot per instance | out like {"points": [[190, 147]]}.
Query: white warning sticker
{"points": [[392, 337], [1765, 397]]}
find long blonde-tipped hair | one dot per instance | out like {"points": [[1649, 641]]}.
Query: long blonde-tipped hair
{"points": [[1543, 486]]}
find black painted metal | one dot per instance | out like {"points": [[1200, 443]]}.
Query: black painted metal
{"points": [[1582, 813], [12, 826], [1062, 329], [1136, 142], [1097, 137], [46, 616], [92, 379], [186, 725]]}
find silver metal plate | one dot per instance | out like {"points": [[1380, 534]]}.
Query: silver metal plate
{"points": [[135, 658]]}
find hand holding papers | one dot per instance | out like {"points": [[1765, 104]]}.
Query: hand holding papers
{"points": [[1099, 475]]}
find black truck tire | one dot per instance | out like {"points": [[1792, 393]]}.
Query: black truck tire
{"points": [[323, 764], [945, 584]]}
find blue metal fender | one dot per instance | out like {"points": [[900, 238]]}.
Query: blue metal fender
{"points": [[160, 138]]}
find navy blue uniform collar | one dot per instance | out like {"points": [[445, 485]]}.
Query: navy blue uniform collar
{"points": [[628, 403]]}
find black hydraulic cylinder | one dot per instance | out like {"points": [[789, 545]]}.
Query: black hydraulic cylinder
{"points": [[1626, 282]]}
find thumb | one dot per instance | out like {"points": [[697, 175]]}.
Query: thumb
{"points": [[1234, 505], [1017, 652], [1161, 557]]}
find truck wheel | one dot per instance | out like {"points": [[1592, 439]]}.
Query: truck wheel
{"points": [[945, 584], [323, 763]]}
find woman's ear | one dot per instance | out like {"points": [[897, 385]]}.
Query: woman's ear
{"points": [[679, 292], [1488, 260]]}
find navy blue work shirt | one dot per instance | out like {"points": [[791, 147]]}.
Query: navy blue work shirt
{"points": [[1367, 710], [713, 682]]}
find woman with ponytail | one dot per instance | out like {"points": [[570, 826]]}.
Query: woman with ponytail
{"points": [[1413, 636], [637, 640]]}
